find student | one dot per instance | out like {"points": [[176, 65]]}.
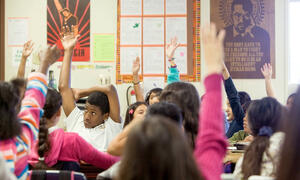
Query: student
{"points": [[134, 113], [173, 76], [234, 103], [168, 110], [262, 155], [211, 144], [18, 131], [267, 72], [156, 149], [243, 135], [186, 97], [289, 164], [101, 121], [56, 146], [135, 110]]}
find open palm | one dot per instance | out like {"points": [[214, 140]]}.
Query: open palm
{"points": [[171, 48], [27, 49], [69, 41], [136, 65]]}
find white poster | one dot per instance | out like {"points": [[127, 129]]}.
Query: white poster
{"points": [[153, 31], [17, 31], [153, 60], [153, 7], [176, 6], [131, 7], [131, 32], [176, 27], [127, 56]]}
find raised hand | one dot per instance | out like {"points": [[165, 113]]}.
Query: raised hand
{"points": [[68, 38], [266, 70], [27, 49], [171, 48], [76, 93], [48, 56], [213, 48], [136, 66]]}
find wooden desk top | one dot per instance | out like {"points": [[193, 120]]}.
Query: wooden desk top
{"points": [[232, 157]]}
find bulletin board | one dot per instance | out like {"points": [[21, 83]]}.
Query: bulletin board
{"points": [[145, 27]]}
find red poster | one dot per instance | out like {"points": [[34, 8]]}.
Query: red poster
{"points": [[73, 15]]}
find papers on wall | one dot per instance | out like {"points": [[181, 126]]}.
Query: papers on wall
{"points": [[146, 35], [104, 47], [17, 31], [128, 55]]}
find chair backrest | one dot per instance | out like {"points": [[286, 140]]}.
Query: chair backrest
{"points": [[260, 178], [55, 175]]}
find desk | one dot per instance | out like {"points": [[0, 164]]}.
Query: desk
{"points": [[232, 157]]}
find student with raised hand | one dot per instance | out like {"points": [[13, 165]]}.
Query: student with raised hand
{"points": [[19, 131], [234, 104], [266, 70], [262, 155], [55, 146], [173, 75], [211, 143], [27, 50], [289, 163], [101, 121]]}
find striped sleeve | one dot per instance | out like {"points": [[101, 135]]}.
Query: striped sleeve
{"points": [[32, 106]]}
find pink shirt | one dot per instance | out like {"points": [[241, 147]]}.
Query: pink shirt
{"points": [[68, 146], [211, 143]]}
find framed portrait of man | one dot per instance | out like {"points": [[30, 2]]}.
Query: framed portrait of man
{"points": [[250, 35]]}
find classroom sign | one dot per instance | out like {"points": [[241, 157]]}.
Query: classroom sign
{"points": [[250, 35], [71, 15]]}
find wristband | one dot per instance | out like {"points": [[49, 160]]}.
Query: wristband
{"points": [[172, 59]]}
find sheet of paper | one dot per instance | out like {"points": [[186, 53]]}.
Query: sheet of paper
{"points": [[131, 7], [180, 59], [128, 55], [131, 32], [176, 6], [176, 27], [104, 47], [153, 60], [17, 55], [153, 7], [153, 82], [153, 31], [17, 31]]}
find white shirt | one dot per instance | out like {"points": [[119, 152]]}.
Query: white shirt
{"points": [[99, 136]]}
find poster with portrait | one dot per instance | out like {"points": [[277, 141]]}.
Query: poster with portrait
{"points": [[250, 35], [70, 15]]}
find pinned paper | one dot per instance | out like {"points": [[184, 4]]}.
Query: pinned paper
{"points": [[18, 31], [104, 47], [17, 55]]}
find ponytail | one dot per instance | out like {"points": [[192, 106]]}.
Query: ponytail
{"points": [[253, 156], [43, 144]]}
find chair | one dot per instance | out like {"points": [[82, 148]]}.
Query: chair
{"points": [[55, 175]]}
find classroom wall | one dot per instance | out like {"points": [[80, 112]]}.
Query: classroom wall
{"points": [[104, 20]]}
